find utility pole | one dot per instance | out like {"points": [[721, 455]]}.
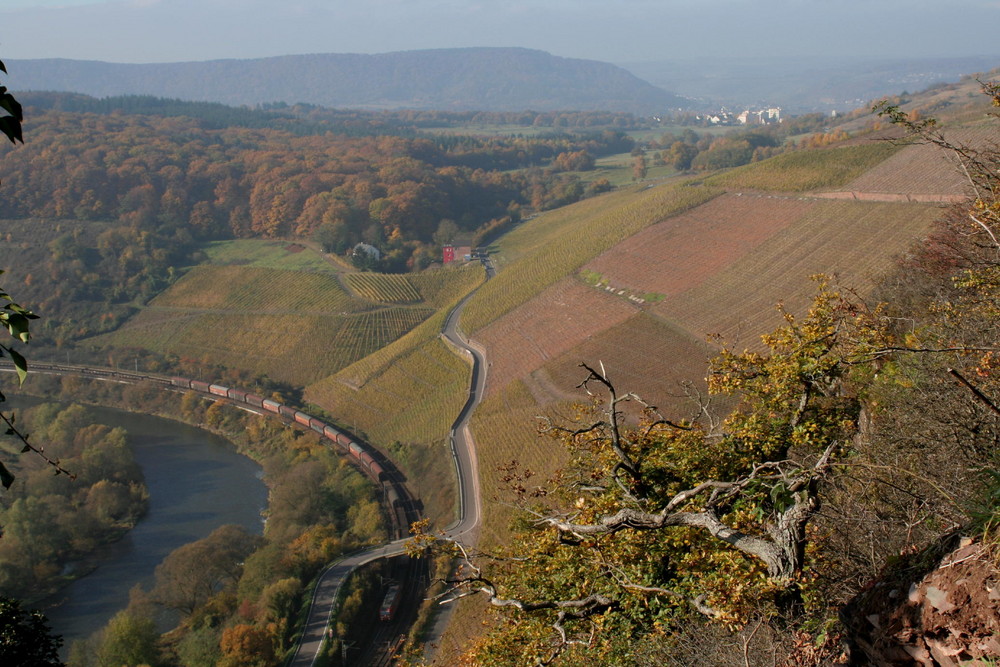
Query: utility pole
{"points": [[344, 646]]}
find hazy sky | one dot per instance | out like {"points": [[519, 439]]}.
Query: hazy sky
{"points": [[612, 30]]}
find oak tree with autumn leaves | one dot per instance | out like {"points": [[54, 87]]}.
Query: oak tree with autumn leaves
{"points": [[656, 519]]}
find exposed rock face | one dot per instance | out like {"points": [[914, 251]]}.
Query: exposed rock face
{"points": [[949, 617]]}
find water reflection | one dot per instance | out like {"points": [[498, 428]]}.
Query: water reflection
{"points": [[196, 484]]}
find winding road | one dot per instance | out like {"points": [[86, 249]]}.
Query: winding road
{"points": [[465, 528]]}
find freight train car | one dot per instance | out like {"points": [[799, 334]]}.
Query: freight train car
{"points": [[254, 400], [332, 433], [237, 395]]}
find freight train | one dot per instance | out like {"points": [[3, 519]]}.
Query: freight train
{"points": [[390, 603], [366, 459]]}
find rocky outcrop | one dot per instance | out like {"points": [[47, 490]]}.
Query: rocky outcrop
{"points": [[949, 616]]}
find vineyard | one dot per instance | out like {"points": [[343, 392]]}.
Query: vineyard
{"points": [[247, 289], [801, 171], [644, 355], [679, 253], [366, 332], [851, 239], [303, 346], [382, 287], [505, 428], [563, 316], [545, 250], [295, 348], [442, 287], [413, 403], [370, 368], [921, 169]]}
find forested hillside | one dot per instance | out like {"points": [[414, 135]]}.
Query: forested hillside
{"points": [[495, 79], [133, 190]]}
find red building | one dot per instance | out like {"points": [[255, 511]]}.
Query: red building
{"points": [[448, 254]]}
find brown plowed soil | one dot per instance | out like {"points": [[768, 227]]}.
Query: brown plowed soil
{"points": [[681, 252], [561, 317]]}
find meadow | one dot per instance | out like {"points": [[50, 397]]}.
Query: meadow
{"points": [[618, 170], [261, 290], [264, 254]]}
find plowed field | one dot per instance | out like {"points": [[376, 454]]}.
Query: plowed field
{"points": [[561, 317], [644, 355], [681, 252], [922, 169], [855, 240]]}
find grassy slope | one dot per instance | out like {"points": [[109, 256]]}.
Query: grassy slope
{"points": [[804, 171], [408, 412], [409, 392], [277, 309], [267, 255]]}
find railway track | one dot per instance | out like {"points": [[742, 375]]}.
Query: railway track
{"points": [[400, 506]]}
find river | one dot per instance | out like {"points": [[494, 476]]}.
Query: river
{"points": [[196, 481]]}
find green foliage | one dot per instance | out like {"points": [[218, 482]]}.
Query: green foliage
{"points": [[200, 648], [193, 573], [128, 639], [25, 637], [10, 121], [50, 520]]}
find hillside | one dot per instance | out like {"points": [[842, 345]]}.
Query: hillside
{"points": [[636, 282], [494, 79], [915, 465]]}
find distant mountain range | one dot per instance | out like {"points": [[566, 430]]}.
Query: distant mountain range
{"points": [[490, 79], [803, 84]]}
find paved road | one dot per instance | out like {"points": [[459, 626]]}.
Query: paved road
{"points": [[465, 529], [325, 596]]}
